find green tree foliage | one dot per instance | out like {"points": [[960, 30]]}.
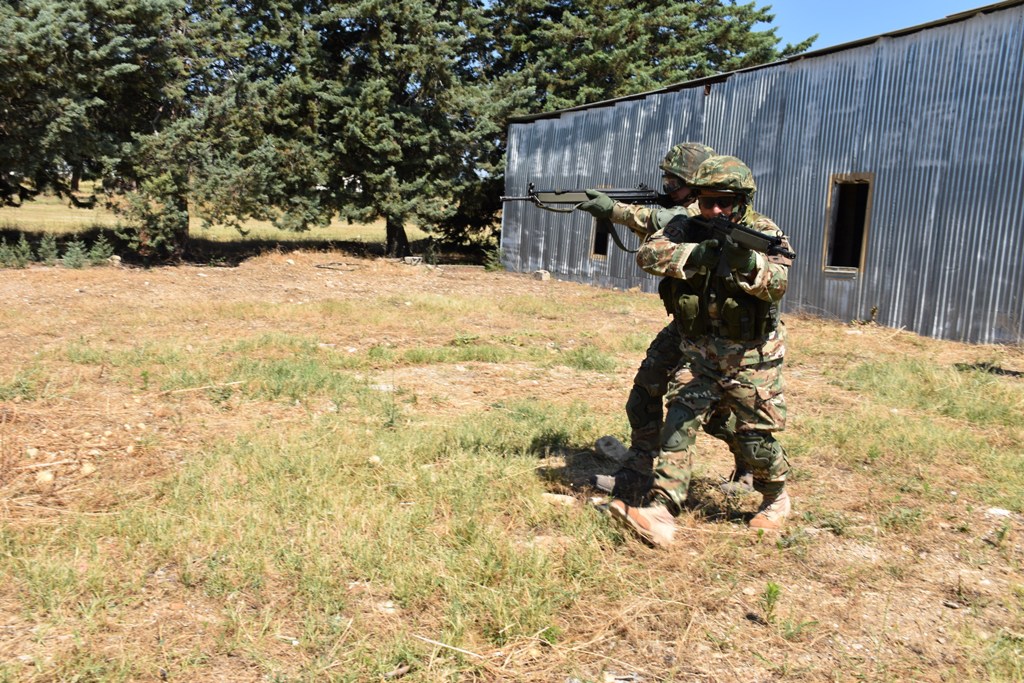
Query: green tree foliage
{"points": [[297, 111], [48, 251], [406, 108], [257, 131], [75, 255], [576, 52], [546, 55], [84, 76], [88, 81]]}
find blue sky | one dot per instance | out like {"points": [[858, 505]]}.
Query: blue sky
{"points": [[840, 21]]}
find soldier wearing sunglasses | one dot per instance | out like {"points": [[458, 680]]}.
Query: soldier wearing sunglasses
{"points": [[726, 306]]}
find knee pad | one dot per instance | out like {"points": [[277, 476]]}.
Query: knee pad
{"points": [[680, 430], [642, 408], [763, 455], [652, 379]]}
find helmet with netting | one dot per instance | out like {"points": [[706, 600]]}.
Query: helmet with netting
{"points": [[683, 159], [724, 174]]}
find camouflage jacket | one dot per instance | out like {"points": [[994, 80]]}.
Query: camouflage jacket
{"points": [[734, 317]]}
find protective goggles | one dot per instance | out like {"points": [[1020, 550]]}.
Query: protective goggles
{"points": [[670, 184]]}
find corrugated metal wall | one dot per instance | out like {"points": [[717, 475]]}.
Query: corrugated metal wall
{"points": [[937, 116]]}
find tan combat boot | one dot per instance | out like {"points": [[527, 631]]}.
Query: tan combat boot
{"points": [[773, 512], [654, 524]]}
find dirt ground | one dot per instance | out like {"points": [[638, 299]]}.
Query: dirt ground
{"points": [[890, 610]]}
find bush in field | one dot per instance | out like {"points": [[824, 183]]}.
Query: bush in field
{"points": [[47, 251], [101, 251], [74, 254], [493, 260], [22, 252], [17, 256]]}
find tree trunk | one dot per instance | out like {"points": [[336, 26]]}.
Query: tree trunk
{"points": [[179, 241], [397, 240]]}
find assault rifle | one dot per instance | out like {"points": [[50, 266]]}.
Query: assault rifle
{"points": [[723, 229], [641, 194]]}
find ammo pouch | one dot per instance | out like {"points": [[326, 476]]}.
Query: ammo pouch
{"points": [[736, 320], [746, 320], [682, 304], [688, 318]]}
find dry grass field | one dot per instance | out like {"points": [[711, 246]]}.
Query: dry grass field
{"points": [[314, 466], [48, 213]]}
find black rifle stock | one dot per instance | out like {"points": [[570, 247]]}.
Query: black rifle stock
{"points": [[549, 199]]}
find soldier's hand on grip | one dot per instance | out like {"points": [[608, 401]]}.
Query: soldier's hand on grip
{"points": [[704, 254], [599, 205], [740, 259]]}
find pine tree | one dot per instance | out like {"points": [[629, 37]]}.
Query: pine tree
{"points": [[47, 251], [405, 108], [583, 51], [22, 252], [93, 79]]}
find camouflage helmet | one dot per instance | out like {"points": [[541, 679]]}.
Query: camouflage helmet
{"points": [[683, 159], [725, 174]]}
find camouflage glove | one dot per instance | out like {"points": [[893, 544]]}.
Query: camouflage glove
{"points": [[740, 259], [704, 254], [599, 206]]}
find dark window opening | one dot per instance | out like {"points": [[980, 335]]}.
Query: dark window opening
{"points": [[848, 222], [600, 241]]}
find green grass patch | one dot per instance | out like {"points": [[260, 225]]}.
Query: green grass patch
{"points": [[636, 343], [83, 352], [481, 353], [24, 385], [588, 358], [534, 307], [311, 531], [295, 378], [50, 214], [897, 448], [974, 395]]}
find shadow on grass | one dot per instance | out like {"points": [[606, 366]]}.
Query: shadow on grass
{"points": [[580, 466], [202, 251], [705, 499]]}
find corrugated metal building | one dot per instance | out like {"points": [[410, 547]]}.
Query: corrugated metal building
{"points": [[894, 163]]}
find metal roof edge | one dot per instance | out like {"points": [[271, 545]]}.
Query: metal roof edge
{"points": [[722, 77]]}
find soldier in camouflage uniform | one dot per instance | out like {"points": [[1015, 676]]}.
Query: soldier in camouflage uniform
{"points": [[644, 405], [734, 342]]}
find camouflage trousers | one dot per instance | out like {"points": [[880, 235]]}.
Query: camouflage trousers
{"points": [[752, 394], [665, 361]]}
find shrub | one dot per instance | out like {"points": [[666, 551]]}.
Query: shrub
{"points": [[6, 254], [493, 260], [47, 251], [74, 254], [22, 253], [101, 251]]}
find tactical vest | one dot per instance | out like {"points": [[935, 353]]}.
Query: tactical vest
{"points": [[708, 304]]}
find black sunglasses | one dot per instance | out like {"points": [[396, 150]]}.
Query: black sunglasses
{"points": [[720, 202]]}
